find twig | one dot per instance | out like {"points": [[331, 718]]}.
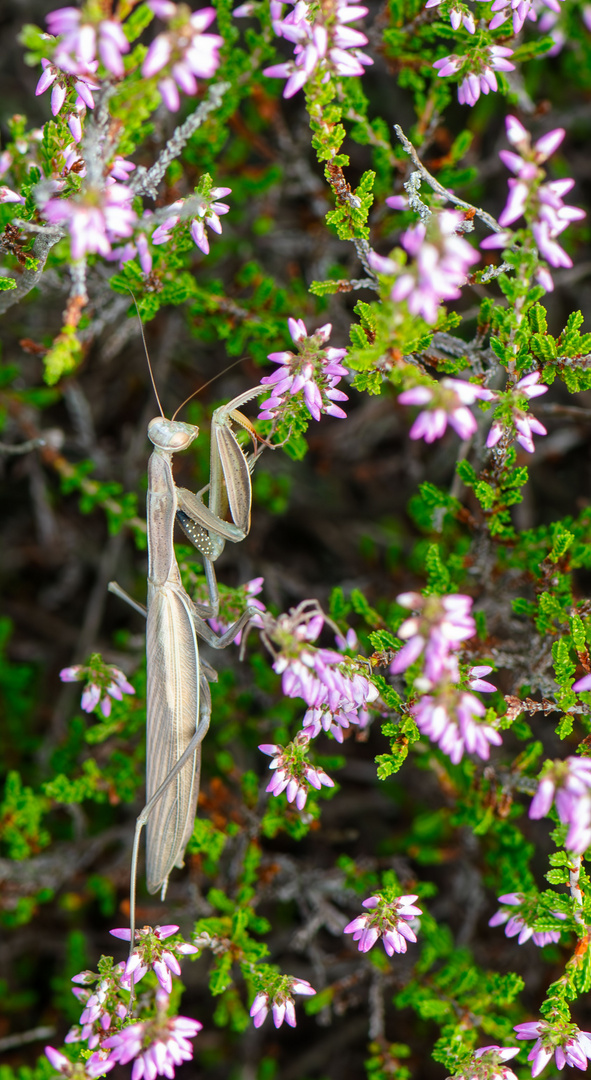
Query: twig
{"points": [[46, 239], [78, 292], [145, 181], [363, 249], [21, 448], [491, 272], [439, 189], [38, 1034], [344, 285], [377, 1016], [554, 409]]}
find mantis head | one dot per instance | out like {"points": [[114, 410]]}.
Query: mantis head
{"points": [[171, 435]]}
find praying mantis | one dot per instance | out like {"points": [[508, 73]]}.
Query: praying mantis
{"points": [[178, 703]]}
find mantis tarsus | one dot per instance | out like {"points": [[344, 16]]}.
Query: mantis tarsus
{"points": [[178, 705]]}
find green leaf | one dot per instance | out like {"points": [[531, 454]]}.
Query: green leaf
{"points": [[562, 542]]}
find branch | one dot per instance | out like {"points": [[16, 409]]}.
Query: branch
{"points": [[47, 237], [145, 181], [21, 448], [439, 189], [38, 1034]]}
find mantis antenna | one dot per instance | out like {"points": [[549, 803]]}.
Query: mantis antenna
{"points": [[195, 392], [146, 351], [208, 383]]}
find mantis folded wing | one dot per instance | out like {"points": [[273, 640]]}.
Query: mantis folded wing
{"points": [[178, 699]]}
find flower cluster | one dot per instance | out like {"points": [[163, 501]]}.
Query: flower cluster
{"points": [[478, 71], [541, 203], [313, 369], [488, 1063], [155, 1046], [152, 953], [446, 402], [568, 784], [336, 720], [324, 44], [441, 625], [102, 1004], [94, 1066], [317, 675], [207, 210], [280, 1001], [83, 83], [294, 775], [565, 1041], [526, 425], [387, 919], [103, 682], [448, 714], [94, 217], [80, 38], [442, 261], [458, 16], [184, 53], [518, 922]]}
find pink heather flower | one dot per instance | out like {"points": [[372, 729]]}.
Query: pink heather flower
{"points": [[79, 41], [151, 953], [293, 774], [143, 253], [156, 1046], [479, 71], [526, 425], [333, 721], [313, 371], [96, 1065], [350, 641], [457, 16], [185, 52], [7, 195], [324, 46], [541, 203], [488, 1063], [83, 82], [208, 212], [101, 1002], [568, 784], [388, 920], [476, 682], [442, 261], [94, 218], [442, 624], [450, 717], [446, 403], [59, 1061], [281, 1002], [522, 10], [567, 1042], [518, 921], [325, 679], [106, 682]]}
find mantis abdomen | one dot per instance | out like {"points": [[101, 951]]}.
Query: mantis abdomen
{"points": [[173, 691]]}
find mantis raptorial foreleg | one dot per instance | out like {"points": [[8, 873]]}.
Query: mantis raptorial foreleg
{"points": [[178, 703]]}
